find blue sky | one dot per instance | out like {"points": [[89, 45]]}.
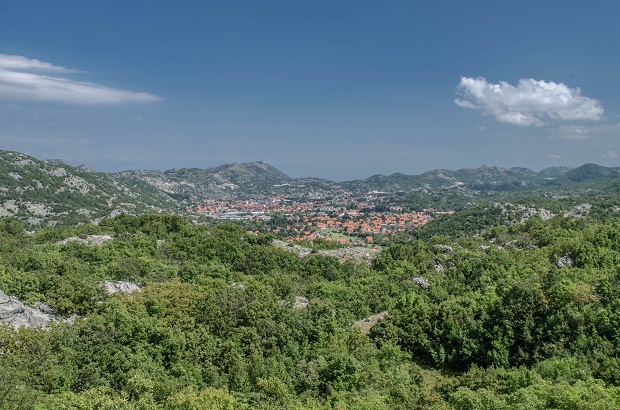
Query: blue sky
{"points": [[334, 89]]}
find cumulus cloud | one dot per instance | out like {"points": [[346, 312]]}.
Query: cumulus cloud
{"points": [[528, 103], [20, 79]]}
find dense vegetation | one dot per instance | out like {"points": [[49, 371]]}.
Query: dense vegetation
{"points": [[518, 317]]}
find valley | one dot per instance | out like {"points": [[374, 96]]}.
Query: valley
{"points": [[161, 291]]}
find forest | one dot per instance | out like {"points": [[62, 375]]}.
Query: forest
{"points": [[525, 316]]}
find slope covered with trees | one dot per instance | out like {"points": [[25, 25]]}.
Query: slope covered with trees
{"points": [[525, 316]]}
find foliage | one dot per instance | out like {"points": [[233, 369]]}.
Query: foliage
{"points": [[491, 321]]}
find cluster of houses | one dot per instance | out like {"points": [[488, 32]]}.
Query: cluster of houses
{"points": [[350, 220], [376, 222], [215, 208], [320, 225]]}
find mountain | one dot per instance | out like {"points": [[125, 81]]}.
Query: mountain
{"points": [[228, 181], [589, 172], [484, 177], [41, 193], [553, 172], [223, 182]]}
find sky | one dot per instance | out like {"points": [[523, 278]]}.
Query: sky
{"points": [[334, 89]]}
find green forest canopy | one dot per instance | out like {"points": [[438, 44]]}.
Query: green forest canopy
{"points": [[526, 316]]}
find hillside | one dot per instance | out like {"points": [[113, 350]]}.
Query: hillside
{"points": [[223, 182], [589, 172], [258, 179], [228, 181], [523, 317], [486, 177], [511, 301], [41, 193]]}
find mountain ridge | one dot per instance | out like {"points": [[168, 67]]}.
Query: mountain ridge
{"points": [[42, 193]]}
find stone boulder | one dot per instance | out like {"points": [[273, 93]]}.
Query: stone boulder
{"points": [[565, 262], [16, 314]]}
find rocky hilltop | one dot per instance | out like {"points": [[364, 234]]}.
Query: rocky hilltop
{"points": [[41, 193], [223, 182], [228, 181]]}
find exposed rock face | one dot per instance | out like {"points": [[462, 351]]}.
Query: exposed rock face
{"points": [[122, 287], [565, 262], [421, 281], [367, 323], [15, 314], [357, 253], [44, 193], [444, 249], [89, 240], [579, 211], [84, 168], [300, 302]]}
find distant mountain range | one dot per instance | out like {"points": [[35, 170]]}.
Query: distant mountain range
{"points": [[43, 193]]}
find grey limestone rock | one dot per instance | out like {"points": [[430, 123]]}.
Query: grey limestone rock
{"points": [[300, 302], [565, 261], [122, 287], [16, 314]]}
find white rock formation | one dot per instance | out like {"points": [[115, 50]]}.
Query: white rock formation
{"points": [[15, 314], [122, 287]]}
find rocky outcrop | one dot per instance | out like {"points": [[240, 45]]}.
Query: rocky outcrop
{"points": [[565, 262], [355, 253], [300, 302], [16, 314], [89, 240], [120, 287], [366, 324]]}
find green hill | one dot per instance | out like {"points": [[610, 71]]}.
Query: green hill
{"points": [[589, 172]]}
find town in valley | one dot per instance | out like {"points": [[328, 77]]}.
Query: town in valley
{"points": [[368, 219]]}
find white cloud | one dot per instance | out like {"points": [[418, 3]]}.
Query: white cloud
{"points": [[529, 103], [20, 63], [18, 82], [611, 154], [555, 156]]}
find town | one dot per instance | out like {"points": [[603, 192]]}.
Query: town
{"points": [[367, 220]]}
